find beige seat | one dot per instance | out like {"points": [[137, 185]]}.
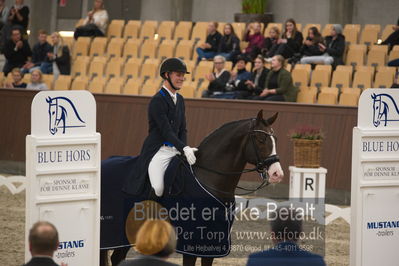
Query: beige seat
{"points": [[183, 30], [349, 99], [300, 77], [307, 27], [166, 49], [150, 68], [388, 30], [81, 46], [132, 29], [369, 35], [115, 47], [97, 66], [63, 82], [132, 68], [341, 79], [384, 79], [306, 96], [320, 78], [98, 46], [376, 58], [149, 48], [48, 79], [131, 48], [80, 66], [150, 87], [132, 86], [203, 68], [97, 85], [114, 86], [199, 31], [327, 30], [148, 29], [327, 98], [80, 83], [188, 89], [166, 29], [114, 67], [115, 28], [362, 80], [184, 49]]}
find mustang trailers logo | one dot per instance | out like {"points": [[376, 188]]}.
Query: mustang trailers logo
{"points": [[63, 114]]}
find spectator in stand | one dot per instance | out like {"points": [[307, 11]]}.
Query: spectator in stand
{"points": [[333, 50], [258, 79], [271, 41], [229, 46], [16, 51], [96, 22], [3, 13], [39, 53], [209, 48], [19, 16], [218, 79], [255, 41], [311, 46], [394, 63], [36, 81], [278, 85], [43, 242], [286, 230], [58, 59], [393, 38], [291, 41], [155, 241], [17, 81], [236, 87]]}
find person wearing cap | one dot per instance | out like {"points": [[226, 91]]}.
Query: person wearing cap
{"points": [[333, 49], [167, 132], [156, 241]]}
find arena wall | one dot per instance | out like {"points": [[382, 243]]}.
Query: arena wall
{"points": [[122, 122]]}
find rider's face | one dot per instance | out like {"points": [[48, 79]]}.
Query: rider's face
{"points": [[177, 79]]}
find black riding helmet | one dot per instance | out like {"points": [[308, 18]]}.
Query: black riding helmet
{"points": [[172, 65]]}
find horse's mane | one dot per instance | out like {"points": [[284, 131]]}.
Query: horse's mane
{"points": [[393, 101], [222, 128]]}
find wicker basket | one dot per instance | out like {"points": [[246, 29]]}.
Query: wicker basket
{"points": [[307, 153]]}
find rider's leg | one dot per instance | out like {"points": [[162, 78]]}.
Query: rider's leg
{"points": [[157, 168]]}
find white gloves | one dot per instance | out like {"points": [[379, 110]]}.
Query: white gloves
{"points": [[189, 153]]}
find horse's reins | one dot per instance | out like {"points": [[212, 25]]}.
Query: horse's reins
{"points": [[261, 167]]}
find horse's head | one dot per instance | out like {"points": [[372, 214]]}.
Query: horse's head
{"points": [[261, 148], [52, 111], [377, 110]]}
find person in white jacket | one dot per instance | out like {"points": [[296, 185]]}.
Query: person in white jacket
{"points": [[96, 22]]}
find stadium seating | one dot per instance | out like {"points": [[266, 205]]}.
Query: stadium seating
{"points": [[150, 68], [149, 48], [81, 46], [349, 99], [184, 49], [362, 79], [63, 82], [115, 28], [131, 48], [115, 47], [327, 98], [80, 83], [97, 66], [166, 29], [384, 78], [183, 30], [114, 86], [132, 29], [132, 86], [114, 67], [148, 29], [98, 46], [97, 85], [166, 49]]}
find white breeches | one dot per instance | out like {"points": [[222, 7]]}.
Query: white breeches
{"points": [[157, 167]]}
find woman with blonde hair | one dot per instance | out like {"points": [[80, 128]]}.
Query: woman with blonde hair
{"points": [[155, 241], [96, 22], [36, 81], [59, 60]]}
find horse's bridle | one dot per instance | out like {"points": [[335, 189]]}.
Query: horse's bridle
{"points": [[261, 166]]}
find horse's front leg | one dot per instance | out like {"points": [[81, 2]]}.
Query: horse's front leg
{"points": [[189, 260], [206, 261]]}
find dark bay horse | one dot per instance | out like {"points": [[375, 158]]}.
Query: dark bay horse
{"points": [[221, 159]]}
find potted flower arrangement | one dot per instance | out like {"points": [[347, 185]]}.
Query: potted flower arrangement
{"points": [[254, 10], [307, 146]]}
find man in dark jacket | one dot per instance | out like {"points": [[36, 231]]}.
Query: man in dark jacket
{"points": [[43, 242], [17, 52], [333, 49], [167, 131], [39, 52], [209, 49]]}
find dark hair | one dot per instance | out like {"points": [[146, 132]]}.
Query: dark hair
{"points": [[42, 32], [43, 237], [241, 58], [294, 31], [233, 33], [317, 36], [286, 229]]}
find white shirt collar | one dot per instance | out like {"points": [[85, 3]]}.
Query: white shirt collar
{"points": [[172, 95]]}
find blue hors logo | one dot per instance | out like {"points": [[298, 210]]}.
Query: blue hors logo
{"points": [[62, 114], [382, 105], [71, 244]]}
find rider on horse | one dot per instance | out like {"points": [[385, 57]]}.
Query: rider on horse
{"points": [[167, 132]]}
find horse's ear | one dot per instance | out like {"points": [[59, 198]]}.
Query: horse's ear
{"points": [[259, 117], [48, 99], [271, 120], [373, 96]]}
